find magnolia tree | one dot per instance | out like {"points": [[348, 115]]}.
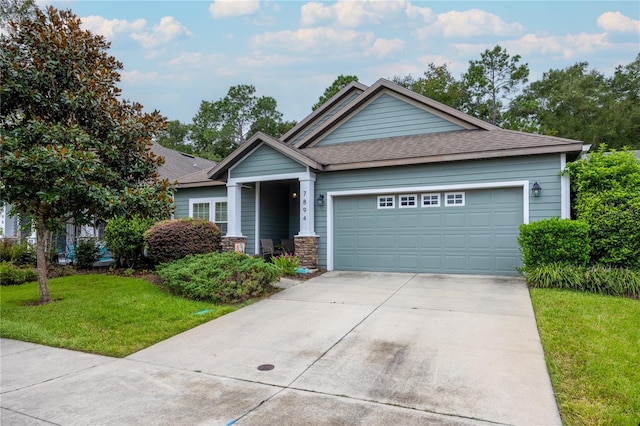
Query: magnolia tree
{"points": [[71, 149]]}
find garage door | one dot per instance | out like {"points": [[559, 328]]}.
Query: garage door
{"points": [[472, 232]]}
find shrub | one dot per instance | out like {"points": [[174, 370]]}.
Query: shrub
{"points": [[125, 239], [11, 274], [174, 239], [607, 198], [16, 252], [554, 240], [287, 264], [87, 253], [227, 277], [594, 279]]}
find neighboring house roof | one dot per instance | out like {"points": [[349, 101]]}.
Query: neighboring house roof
{"points": [[178, 164], [471, 138]]}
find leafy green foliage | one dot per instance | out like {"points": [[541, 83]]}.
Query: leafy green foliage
{"points": [[607, 198], [286, 263], [226, 277], [11, 274], [491, 81], [438, 84], [176, 137], [554, 240], [593, 279], [220, 126], [71, 148], [87, 253], [19, 253], [102, 314], [174, 239], [338, 84], [125, 238]]}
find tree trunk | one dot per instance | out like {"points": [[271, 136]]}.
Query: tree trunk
{"points": [[42, 261]]}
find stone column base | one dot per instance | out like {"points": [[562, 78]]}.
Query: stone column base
{"points": [[307, 251], [238, 244]]}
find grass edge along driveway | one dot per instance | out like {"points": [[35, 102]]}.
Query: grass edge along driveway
{"points": [[102, 314], [592, 348]]}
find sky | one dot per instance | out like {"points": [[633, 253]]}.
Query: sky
{"points": [[178, 53]]}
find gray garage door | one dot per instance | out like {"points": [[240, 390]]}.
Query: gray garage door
{"points": [[472, 232]]}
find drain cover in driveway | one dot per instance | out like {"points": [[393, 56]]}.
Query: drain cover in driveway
{"points": [[266, 367]]}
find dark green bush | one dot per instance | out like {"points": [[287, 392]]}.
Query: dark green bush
{"points": [[125, 239], [554, 240], [87, 253], [174, 239], [19, 253], [11, 274], [594, 279], [227, 277]]}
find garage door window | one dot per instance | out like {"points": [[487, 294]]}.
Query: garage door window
{"points": [[454, 199], [386, 201], [430, 200], [408, 201]]}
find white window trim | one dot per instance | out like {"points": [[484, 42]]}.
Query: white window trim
{"points": [[464, 199], [522, 184], [212, 206], [415, 201], [422, 198], [393, 202]]}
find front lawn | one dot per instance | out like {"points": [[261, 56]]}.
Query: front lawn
{"points": [[592, 348], [102, 314]]}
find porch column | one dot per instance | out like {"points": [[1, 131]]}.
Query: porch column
{"points": [[307, 187], [234, 210]]}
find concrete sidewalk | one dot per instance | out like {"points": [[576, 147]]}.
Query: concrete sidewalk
{"points": [[347, 348]]}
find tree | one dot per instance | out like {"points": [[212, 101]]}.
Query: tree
{"points": [[70, 148], [491, 81], [14, 10], [176, 137], [438, 84], [338, 84], [220, 126], [582, 104]]}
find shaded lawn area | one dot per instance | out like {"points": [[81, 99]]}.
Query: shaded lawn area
{"points": [[102, 314], [592, 348]]}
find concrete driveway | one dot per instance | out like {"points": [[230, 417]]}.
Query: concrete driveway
{"points": [[346, 348]]}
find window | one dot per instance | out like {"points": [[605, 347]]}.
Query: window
{"points": [[386, 201], [408, 201], [430, 200], [454, 199], [211, 209]]}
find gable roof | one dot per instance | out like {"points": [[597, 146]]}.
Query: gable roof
{"points": [[178, 164], [258, 139]]}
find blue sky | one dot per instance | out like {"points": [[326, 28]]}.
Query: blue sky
{"points": [[178, 53]]}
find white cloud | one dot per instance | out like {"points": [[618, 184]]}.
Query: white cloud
{"points": [[352, 14], [470, 23], [416, 12], [166, 31], [617, 22], [230, 8], [139, 78], [385, 47], [315, 40], [109, 27]]}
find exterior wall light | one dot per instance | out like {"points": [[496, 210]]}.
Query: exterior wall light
{"points": [[536, 189], [294, 195], [320, 199]]}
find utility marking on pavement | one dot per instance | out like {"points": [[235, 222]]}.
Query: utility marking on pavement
{"points": [[266, 367]]}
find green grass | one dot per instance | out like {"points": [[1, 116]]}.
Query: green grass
{"points": [[592, 348], [102, 314]]}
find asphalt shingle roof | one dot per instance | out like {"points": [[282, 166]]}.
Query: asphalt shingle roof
{"points": [[177, 164]]}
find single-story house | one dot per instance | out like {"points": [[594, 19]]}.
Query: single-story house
{"points": [[380, 178]]}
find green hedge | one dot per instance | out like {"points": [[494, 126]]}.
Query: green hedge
{"points": [[11, 274], [227, 277], [125, 238], [554, 240]]}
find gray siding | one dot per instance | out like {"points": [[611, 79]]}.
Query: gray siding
{"points": [[544, 169], [266, 161], [248, 220], [182, 196], [324, 117], [388, 116]]}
